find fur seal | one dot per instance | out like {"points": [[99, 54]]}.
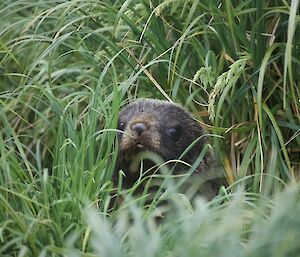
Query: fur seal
{"points": [[163, 128]]}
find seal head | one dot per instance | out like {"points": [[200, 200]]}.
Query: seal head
{"points": [[161, 127]]}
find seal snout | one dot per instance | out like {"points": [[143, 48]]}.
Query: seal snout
{"points": [[138, 127]]}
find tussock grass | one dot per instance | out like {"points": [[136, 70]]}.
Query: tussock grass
{"points": [[67, 67], [237, 228]]}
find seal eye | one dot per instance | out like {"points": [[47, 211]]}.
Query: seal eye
{"points": [[121, 125], [174, 133]]}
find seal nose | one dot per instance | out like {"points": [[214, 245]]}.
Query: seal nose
{"points": [[139, 128]]}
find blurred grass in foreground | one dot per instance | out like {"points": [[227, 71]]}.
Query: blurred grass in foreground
{"points": [[67, 67], [237, 228]]}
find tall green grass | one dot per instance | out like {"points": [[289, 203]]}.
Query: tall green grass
{"points": [[67, 67]]}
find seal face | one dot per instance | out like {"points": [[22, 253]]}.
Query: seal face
{"points": [[160, 127]]}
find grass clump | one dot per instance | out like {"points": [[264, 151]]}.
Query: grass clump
{"points": [[67, 67], [239, 228]]}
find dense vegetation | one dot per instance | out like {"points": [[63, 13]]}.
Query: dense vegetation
{"points": [[67, 67]]}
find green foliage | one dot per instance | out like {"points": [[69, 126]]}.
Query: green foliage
{"points": [[237, 228], [67, 67]]}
